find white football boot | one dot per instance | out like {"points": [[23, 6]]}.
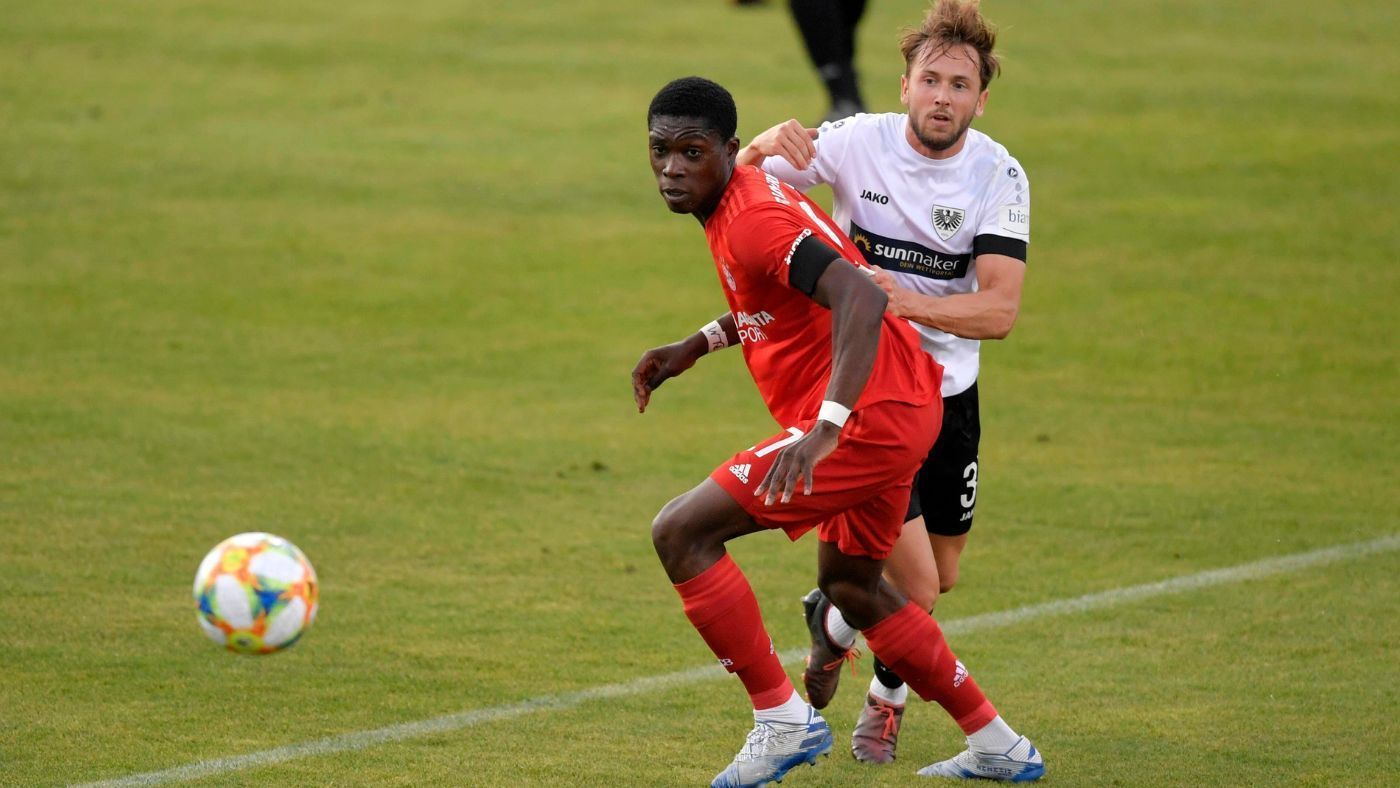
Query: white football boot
{"points": [[773, 748], [1019, 764]]}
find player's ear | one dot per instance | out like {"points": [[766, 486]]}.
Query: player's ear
{"points": [[981, 104], [731, 147]]}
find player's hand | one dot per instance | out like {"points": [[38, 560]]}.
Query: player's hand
{"points": [[798, 461], [789, 139], [882, 278], [898, 297], [663, 363]]}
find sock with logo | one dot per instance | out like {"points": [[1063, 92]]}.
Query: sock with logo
{"points": [[720, 604], [911, 643], [793, 711]]}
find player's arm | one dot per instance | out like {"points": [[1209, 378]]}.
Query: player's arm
{"points": [[988, 313], [662, 363], [789, 139], [857, 311]]}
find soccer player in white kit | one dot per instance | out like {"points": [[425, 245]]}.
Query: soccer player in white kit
{"points": [[944, 210]]}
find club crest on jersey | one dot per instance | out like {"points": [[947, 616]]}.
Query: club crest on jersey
{"points": [[946, 221]]}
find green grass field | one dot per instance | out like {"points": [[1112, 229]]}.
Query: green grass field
{"points": [[373, 275]]}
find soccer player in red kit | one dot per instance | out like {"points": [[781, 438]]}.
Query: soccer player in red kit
{"points": [[859, 406]]}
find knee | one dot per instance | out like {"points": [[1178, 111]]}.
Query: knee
{"points": [[925, 595], [668, 532], [854, 600], [946, 580], [920, 586]]}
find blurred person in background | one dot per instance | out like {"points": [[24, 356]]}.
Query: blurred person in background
{"points": [[828, 29]]}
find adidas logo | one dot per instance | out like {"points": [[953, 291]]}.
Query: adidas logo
{"points": [[741, 471], [959, 673]]}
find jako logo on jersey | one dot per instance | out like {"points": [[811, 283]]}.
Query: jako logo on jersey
{"points": [[776, 187], [741, 472], [893, 254], [946, 221], [866, 194], [751, 326], [959, 673]]}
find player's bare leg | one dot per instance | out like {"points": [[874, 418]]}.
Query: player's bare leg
{"points": [[947, 551], [913, 567], [689, 535], [690, 532]]}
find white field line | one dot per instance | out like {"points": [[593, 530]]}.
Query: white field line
{"points": [[361, 740]]}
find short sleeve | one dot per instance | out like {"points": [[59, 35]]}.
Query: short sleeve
{"points": [[763, 239], [1005, 226], [831, 144]]}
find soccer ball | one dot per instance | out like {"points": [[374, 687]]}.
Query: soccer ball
{"points": [[255, 593]]}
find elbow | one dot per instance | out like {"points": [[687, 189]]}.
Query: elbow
{"points": [[866, 309], [1001, 327], [880, 300]]}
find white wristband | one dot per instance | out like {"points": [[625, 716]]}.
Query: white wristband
{"points": [[834, 412], [715, 336]]}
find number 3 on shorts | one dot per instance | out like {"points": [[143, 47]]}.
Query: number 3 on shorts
{"points": [[969, 499]]}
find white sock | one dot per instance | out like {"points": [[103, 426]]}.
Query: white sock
{"points": [[795, 711], [994, 737], [837, 630], [894, 697]]}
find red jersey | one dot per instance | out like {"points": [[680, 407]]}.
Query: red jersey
{"points": [[786, 335]]}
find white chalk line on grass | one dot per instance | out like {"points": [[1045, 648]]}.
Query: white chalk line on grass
{"points": [[360, 740]]}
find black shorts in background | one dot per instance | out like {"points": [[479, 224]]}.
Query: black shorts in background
{"points": [[945, 490]]}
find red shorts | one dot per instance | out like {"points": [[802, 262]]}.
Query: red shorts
{"points": [[859, 493]]}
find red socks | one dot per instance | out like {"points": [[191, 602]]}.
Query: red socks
{"points": [[720, 603], [912, 645]]}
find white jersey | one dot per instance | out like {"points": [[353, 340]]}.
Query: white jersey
{"points": [[924, 220]]}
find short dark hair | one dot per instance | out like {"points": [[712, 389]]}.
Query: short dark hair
{"points": [[697, 97]]}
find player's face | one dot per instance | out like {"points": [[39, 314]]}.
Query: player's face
{"points": [[943, 91], [691, 163]]}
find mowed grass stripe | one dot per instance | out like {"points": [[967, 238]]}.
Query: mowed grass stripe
{"points": [[361, 740]]}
